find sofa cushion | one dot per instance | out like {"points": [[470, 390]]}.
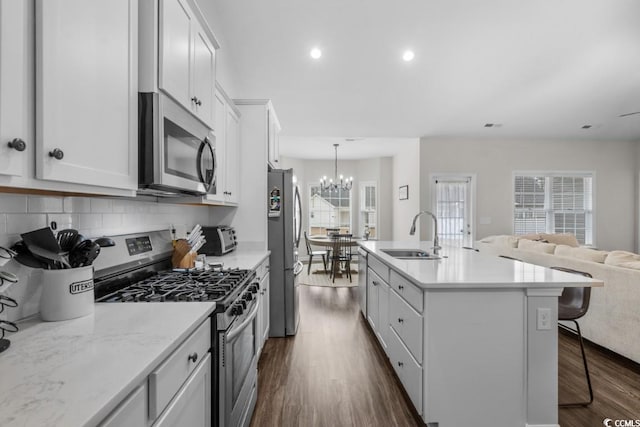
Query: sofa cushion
{"points": [[534, 246], [502, 240], [561, 239], [581, 253], [623, 259], [530, 236]]}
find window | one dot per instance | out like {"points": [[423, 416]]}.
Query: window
{"points": [[329, 209], [554, 203], [369, 209]]}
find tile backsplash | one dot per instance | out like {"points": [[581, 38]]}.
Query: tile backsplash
{"points": [[94, 217]]}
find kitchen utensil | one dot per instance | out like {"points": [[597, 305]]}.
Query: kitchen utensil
{"points": [[105, 242], [93, 252], [9, 277], [80, 252], [24, 257], [44, 245], [67, 239]]}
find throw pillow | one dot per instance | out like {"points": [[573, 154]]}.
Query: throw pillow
{"points": [[581, 253], [533, 246], [561, 239]]}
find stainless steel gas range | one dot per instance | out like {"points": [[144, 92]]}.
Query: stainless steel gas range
{"points": [[141, 272]]}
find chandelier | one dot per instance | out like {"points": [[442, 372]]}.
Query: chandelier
{"points": [[335, 184]]}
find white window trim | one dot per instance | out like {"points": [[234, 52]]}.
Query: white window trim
{"points": [[545, 173]]}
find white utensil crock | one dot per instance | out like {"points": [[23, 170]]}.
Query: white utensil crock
{"points": [[66, 293]]}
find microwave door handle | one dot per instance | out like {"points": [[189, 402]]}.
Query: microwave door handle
{"points": [[208, 183], [232, 334]]}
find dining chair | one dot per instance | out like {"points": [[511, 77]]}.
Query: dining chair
{"points": [[341, 253], [572, 305], [311, 253]]}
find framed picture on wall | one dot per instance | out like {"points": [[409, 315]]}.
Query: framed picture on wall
{"points": [[404, 192]]}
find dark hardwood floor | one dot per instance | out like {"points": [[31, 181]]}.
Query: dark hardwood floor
{"points": [[332, 373]]}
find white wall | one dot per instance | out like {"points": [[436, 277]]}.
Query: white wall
{"points": [[494, 161], [406, 171]]}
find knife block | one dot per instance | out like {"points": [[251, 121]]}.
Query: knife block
{"points": [[183, 256]]}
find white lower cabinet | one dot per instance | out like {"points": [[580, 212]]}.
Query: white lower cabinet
{"points": [[408, 369], [378, 305], [262, 334], [176, 393], [192, 405], [394, 311], [132, 412]]}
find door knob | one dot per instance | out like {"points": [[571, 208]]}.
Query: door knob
{"points": [[17, 144], [57, 154]]}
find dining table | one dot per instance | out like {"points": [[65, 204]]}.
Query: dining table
{"points": [[329, 243]]}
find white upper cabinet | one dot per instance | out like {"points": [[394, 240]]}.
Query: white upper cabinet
{"points": [[232, 160], [187, 57], [87, 92], [16, 134], [274, 138]]}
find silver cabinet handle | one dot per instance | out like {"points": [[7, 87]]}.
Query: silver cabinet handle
{"points": [[400, 287], [400, 320], [193, 357], [375, 283], [400, 364], [57, 154]]}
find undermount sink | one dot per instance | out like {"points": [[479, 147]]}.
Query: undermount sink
{"points": [[410, 254]]}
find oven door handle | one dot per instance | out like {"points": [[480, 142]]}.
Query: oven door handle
{"points": [[232, 334]]}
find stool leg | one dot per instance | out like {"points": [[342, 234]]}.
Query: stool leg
{"points": [[309, 268], [586, 369]]}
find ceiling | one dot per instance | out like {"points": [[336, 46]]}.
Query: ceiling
{"points": [[536, 69]]}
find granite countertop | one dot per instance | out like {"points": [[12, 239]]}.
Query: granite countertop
{"points": [[75, 372], [241, 258], [464, 268]]}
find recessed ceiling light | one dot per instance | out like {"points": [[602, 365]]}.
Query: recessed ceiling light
{"points": [[493, 125], [315, 53], [408, 55], [586, 127]]}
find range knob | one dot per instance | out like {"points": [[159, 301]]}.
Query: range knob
{"points": [[242, 303], [248, 296], [254, 288], [237, 310]]}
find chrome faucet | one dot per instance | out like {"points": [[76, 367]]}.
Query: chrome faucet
{"points": [[436, 245]]}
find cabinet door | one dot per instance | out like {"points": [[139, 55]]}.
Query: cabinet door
{"points": [[373, 283], [87, 92], [130, 413], [232, 147], [176, 26], [221, 149], [383, 313], [15, 87], [192, 405], [265, 313], [271, 137], [203, 88]]}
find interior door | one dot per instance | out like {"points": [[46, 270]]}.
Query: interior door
{"points": [[453, 202]]}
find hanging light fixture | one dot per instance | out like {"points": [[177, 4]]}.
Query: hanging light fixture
{"points": [[335, 184]]}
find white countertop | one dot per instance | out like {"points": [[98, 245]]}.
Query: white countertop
{"points": [[75, 372], [464, 268], [241, 258]]}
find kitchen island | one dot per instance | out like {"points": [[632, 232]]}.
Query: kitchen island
{"points": [[472, 337], [77, 372]]}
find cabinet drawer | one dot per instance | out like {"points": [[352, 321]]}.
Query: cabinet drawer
{"points": [[407, 290], [407, 323], [165, 381], [379, 267], [408, 370]]}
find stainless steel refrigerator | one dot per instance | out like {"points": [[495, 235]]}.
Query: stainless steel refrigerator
{"points": [[284, 232]]}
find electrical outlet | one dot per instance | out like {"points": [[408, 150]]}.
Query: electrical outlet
{"points": [[543, 319]]}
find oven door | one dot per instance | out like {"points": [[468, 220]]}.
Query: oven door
{"points": [[238, 370], [177, 151]]}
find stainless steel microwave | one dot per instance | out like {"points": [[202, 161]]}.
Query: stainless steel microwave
{"points": [[176, 151]]}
